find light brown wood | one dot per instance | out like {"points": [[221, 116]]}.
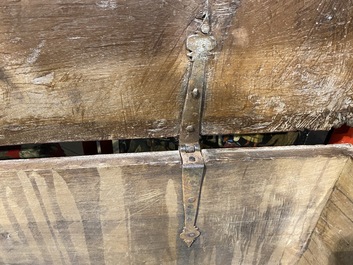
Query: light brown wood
{"points": [[332, 239], [280, 66], [92, 69], [258, 206]]}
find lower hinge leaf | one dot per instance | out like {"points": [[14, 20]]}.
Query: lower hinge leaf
{"points": [[193, 168]]}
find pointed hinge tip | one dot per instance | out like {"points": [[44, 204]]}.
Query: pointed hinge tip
{"points": [[190, 235]]}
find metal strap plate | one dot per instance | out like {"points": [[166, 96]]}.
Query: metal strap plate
{"points": [[199, 45], [192, 175]]}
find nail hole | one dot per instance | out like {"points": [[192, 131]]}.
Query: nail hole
{"points": [[192, 158]]}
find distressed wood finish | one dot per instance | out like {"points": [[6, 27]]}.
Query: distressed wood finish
{"points": [[332, 239], [91, 69], [127, 209], [280, 66]]}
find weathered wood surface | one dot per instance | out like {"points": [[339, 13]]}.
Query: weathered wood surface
{"points": [[280, 65], [332, 239], [258, 206], [91, 69]]}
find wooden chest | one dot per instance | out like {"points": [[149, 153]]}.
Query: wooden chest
{"points": [[75, 70]]}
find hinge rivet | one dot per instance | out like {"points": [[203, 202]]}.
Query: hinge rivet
{"points": [[192, 159], [205, 28], [191, 200], [190, 128], [195, 93]]}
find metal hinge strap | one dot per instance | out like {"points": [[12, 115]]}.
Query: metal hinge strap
{"points": [[199, 44], [192, 175]]}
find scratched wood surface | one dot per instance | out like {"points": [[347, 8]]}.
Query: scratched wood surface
{"points": [[92, 69], [332, 239], [258, 206], [280, 65]]}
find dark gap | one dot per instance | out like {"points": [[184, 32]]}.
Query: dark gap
{"points": [[306, 137]]}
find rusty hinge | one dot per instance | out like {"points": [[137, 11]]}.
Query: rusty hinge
{"points": [[199, 46], [192, 174]]}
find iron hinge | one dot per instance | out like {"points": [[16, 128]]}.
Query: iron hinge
{"points": [[193, 167], [199, 46]]}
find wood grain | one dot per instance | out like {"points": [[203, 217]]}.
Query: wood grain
{"points": [[94, 70], [90, 69], [80, 214], [280, 66], [127, 209], [332, 239]]}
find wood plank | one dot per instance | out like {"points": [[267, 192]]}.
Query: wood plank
{"points": [[280, 66], [334, 231], [271, 204], [92, 213], [254, 209], [94, 70], [90, 69]]}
